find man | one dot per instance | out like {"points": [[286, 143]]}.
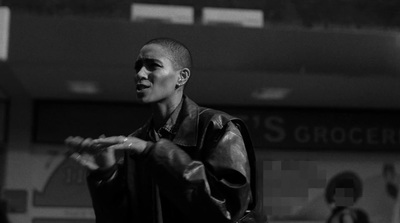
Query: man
{"points": [[186, 164]]}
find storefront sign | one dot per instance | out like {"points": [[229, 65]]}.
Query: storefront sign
{"points": [[323, 129]]}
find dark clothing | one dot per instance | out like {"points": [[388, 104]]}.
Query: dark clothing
{"points": [[200, 170]]}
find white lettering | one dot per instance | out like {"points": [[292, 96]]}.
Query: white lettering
{"points": [[338, 135], [388, 136], [302, 134], [341, 135], [320, 135], [74, 175], [353, 136], [372, 136], [274, 124]]}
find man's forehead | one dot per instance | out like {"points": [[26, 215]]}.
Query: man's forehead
{"points": [[155, 52]]}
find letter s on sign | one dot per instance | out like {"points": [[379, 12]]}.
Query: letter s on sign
{"points": [[274, 130]]}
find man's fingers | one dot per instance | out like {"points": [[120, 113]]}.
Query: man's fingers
{"points": [[81, 146], [84, 160], [73, 141], [86, 143], [109, 141], [74, 144], [75, 156], [119, 146]]}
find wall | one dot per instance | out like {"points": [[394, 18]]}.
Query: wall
{"points": [[18, 158]]}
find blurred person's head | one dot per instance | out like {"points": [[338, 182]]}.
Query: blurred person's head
{"points": [[343, 190]]}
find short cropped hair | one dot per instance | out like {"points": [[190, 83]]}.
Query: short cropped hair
{"points": [[179, 52]]}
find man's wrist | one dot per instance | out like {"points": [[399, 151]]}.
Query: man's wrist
{"points": [[103, 173]]}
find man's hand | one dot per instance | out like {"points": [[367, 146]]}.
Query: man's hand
{"points": [[89, 155], [99, 153], [131, 143]]}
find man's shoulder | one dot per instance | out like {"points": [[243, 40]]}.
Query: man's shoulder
{"points": [[217, 117], [212, 114]]}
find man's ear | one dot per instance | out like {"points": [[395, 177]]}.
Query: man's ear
{"points": [[184, 76]]}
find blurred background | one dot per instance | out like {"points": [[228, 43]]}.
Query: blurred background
{"points": [[316, 81]]}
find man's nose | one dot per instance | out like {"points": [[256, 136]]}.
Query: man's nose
{"points": [[142, 73]]}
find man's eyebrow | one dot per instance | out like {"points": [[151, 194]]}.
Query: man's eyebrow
{"points": [[151, 60], [147, 59]]}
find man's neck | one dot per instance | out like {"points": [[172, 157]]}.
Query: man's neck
{"points": [[162, 111]]}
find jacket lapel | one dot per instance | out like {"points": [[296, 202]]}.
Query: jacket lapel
{"points": [[142, 131], [189, 120]]}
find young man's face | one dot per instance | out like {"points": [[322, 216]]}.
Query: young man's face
{"points": [[156, 76]]}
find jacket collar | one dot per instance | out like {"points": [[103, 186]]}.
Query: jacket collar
{"points": [[188, 120], [188, 127]]}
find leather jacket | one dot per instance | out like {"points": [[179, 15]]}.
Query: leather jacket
{"points": [[206, 173]]}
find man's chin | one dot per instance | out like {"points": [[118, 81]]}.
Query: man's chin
{"points": [[142, 99]]}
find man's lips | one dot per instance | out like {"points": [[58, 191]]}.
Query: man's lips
{"points": [[140, 86]]}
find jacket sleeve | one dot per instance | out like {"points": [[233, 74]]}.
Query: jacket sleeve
{"points": [[108, 193], [109, 190], [215, 187]]}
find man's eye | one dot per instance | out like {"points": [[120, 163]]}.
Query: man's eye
{"points": [[152, 66]]}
